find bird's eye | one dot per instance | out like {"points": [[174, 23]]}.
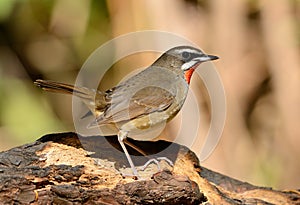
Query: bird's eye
{"points": [[185, 55]]}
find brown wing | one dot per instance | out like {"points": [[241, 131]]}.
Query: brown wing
{"points": [[143, 102]]}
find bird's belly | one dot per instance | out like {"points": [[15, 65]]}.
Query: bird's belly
{"points": [[147, 128], [108, 129], [144, 128], [146, 134]]}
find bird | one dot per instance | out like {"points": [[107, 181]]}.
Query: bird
{"points": [[143, 103]]}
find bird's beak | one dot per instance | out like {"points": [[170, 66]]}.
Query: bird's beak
{"points": [[206, 58], [198, 60]]}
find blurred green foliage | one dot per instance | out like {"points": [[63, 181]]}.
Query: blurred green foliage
{"points": [[23, 113], [49, 39], [6, 7]]}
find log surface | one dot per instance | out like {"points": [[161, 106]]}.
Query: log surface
{"points": [[66, 168]]}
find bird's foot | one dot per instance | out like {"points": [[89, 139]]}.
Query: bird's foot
{"points": [[134, 173], [156, 161]]}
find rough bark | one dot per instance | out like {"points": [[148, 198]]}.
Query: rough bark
{"points": [[67, 168]]}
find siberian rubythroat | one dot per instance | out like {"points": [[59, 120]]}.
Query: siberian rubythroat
{"points": [[141, 104]]}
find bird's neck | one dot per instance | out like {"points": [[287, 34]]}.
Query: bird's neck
{"points": [[188, 75]]}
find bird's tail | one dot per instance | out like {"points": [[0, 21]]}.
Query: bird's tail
{"points": [[52, 86], [88, 96]]}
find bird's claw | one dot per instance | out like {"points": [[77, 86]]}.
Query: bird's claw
{"points": [[156, 161]]}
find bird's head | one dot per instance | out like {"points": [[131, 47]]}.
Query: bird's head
{"points": [[184, 59]]}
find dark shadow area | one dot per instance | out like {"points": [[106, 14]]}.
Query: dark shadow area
{"points": [[108, 147]]}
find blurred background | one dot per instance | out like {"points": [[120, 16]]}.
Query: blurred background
{"points": [[257, 40]]}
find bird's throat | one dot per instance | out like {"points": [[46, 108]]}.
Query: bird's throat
{"points": [[188, 74]]}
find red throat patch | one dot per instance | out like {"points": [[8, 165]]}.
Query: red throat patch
{"points": [[188, 74]]}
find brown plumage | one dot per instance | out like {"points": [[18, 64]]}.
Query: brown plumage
{"points": [[143, 103]]}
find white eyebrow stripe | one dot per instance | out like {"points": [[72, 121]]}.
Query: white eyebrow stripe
{"points": [[188, 50]]}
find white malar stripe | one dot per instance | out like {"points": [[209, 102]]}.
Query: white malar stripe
{"points": [[188, 65]]}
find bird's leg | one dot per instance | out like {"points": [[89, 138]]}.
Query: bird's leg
{"points": [[154, 160], [136, 148], [121, 136]]}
